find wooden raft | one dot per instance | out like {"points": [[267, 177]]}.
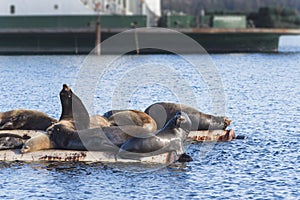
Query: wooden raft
{"points": [[84, 156], [96, 156]]}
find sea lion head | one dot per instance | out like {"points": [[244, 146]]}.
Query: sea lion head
{"points": [[227, 122], [180, 120], [66, 92], [39, 142], [63, 126], [60, 133]]}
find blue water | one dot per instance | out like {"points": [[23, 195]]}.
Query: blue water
{"points": [[259, 92]]}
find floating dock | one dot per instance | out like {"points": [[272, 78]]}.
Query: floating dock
{"points": [[107, 157]]}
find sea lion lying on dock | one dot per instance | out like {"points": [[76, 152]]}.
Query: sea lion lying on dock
{"points": [[25, 120], [131, 117], [162, 112], [113, 134], [170, 138], [11, 141], [39, 142], [64, 136]]}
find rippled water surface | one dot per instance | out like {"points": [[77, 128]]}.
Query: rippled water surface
{"points": [[261, 96]]}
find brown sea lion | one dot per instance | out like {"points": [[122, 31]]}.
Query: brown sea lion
{"points": [[74, 116], [73, 109], [43, 141], [169, 138], [39, 142], [162, 112], [97, 121], [131, 117], [64, 136], [25, 119]]}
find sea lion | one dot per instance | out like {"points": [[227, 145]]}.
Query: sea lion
{"points": [[11, 141], [73, 109], [162, 112], [43, 141], [169, 138], [25, 119], [131, 117], [97, 121], [39, 142], [64, 136]]}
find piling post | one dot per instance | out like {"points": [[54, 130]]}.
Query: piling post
{"points": [[98, 35], [136, 38]]}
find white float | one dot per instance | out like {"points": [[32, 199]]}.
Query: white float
{"points": [[108, 157]]}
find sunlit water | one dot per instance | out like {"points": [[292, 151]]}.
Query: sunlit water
{"points": [[261, 96]]}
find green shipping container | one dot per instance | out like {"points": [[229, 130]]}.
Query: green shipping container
{"points": [[229, 21]]}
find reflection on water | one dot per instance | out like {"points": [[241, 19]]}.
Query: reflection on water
{"points": [[289, 43]]}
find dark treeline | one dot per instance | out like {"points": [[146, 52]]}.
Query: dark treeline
{"points": [[193, 7]]}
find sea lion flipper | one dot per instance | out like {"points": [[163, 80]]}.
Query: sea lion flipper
{"points": [[185, 158]]}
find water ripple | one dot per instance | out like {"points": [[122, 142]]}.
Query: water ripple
{"points": [[262, 99]]}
